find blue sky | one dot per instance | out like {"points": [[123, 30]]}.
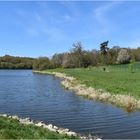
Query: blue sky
{"points": [[44, 28]]}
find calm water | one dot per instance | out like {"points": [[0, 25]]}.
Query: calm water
{"points": [[42, 98]]}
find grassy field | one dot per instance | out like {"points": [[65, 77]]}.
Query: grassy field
{"points": [[117, 79], [12, 129]]}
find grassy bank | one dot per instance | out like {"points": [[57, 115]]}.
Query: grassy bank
{"points": [[116, 79], [117, 85], [12, 129]]}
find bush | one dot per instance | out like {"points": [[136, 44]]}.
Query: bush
{"points": [[123, 57], [42, 63]]}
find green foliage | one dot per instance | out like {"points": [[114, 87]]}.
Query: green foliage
{"points": [[104, 52], [77, 57], [103, 47], [57, 60], [11, 62], [42, 63], [12, 129], [131, 65]]}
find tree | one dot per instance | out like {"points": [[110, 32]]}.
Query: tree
{"points": [[77, 54], [131, 65], [12, 62], [113, 54], [69, 60], [123, 57], [104, 51], [57, 60], [42, 63]]}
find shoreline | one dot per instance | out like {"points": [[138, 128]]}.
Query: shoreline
{"points": [[129, 103], [50, 127]]}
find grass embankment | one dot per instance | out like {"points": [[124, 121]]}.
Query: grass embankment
{"points": [[116, 79], [117, 85], [12, 129]]}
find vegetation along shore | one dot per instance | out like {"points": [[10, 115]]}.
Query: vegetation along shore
{"points": [[13, 127], [113, 85]]}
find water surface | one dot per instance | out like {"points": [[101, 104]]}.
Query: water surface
{"points": [[42, 97]]}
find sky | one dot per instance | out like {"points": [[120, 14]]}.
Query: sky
{"points": [[35, 28]]}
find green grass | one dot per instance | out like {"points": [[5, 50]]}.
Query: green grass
{"points": [[117, 79], [12, 129]]}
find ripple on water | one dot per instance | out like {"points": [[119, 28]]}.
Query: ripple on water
{"points": [[42, 98]]}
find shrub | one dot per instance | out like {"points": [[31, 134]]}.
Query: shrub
{"points": [[123, 57]]}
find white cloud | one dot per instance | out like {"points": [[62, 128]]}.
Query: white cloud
{"points": [[101, 15]]}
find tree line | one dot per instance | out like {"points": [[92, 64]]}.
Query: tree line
{"points": [[76, 57], [12, 62]]}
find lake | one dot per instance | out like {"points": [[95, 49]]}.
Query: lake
{"points": [[42, 97]]}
